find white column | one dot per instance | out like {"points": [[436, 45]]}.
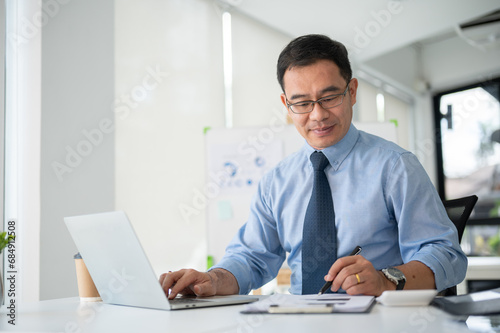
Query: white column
{"points": [[22, 141]]}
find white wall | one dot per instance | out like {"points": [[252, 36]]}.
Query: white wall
{"points": [[400, 65], [395, 109], [160, 145], [159, 139], [256, 90], [77, 97]]}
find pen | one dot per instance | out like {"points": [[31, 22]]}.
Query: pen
{"points": [[328, 284]]}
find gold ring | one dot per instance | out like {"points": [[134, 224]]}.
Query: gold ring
{"points": [[357, 277]]}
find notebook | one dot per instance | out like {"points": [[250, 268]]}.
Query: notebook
{"points": [[120, 269]]}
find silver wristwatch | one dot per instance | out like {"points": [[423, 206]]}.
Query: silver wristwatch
{"points": [[395, 276]]}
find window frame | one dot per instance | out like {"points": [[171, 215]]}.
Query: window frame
{"points": [[436, 101]]}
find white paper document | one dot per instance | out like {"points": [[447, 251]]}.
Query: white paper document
{"points": [[326, 303]]}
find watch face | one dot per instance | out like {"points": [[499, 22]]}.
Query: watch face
{"points": [[396, 273]]}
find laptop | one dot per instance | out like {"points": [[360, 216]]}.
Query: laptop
{"points": [[480, 303], [120, 269]]}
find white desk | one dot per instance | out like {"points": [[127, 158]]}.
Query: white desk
{"points": [[69, 315], [480, 268]]}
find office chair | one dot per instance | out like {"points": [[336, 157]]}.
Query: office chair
{"points": [[459, 211]]}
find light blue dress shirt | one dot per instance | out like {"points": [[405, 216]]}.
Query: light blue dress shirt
{"points": [[383, 200]]}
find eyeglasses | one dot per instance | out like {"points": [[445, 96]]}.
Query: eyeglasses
{"points": [[327, 102]]}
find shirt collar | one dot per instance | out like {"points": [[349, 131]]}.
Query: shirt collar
{"points": [[337, 153]]}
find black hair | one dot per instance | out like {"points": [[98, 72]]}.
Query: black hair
{"points": [[306, 50]]}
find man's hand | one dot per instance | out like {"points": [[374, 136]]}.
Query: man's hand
{"points": [[192, 282], [357, 276]]}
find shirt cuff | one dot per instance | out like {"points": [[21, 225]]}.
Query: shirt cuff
{"points": [[240, 272]]}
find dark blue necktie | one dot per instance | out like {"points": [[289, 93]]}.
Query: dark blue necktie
{"points": [[319, 235]]}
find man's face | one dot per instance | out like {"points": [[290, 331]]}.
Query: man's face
{"points": [[322, 127]]}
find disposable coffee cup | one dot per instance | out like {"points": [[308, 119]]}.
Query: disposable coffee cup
{"points": [[86, 287]]}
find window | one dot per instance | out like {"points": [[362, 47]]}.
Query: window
{"points": [[467, 124]]}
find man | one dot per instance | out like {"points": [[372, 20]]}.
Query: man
{"points": [[382, 201]]}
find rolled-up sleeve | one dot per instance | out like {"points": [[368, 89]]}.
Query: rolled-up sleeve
{"points": [[426, 234]]}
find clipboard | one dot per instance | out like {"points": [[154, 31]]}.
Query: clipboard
{"points": [[311, 304]]}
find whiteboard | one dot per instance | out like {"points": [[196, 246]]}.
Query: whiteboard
{"points": [[236, 159]]}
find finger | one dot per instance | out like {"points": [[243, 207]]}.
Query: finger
{"points": [[179, 284], [371, 284], [359, 289], [186, 282], [167, 280], [351, 281], [204, 289], [163, 276], [366, 287], [176, 283], [163, 282], [339, 264], [344, 267]]}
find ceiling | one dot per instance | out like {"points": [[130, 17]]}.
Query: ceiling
{"points": [[369, 28]]}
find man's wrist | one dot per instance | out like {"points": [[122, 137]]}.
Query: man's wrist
{"points": [[388, 284], [223, 281], [213, 275], [395, 276]]}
